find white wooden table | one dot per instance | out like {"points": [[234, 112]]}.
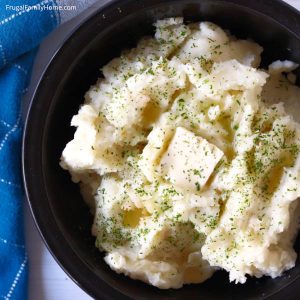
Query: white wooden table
{"points": [[47, 281]]}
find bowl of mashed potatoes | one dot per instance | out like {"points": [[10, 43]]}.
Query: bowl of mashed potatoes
{"points": [[180, 175]]}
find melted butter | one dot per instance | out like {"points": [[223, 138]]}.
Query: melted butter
{"points": [[151, 113], [226, 123], [132, 218], [193, 275], [274, 180]]}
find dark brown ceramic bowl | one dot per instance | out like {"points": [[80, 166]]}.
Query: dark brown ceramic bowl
{"points": [[57, 207]]}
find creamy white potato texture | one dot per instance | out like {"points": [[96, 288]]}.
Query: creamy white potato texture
{"points": [[188, 155]]}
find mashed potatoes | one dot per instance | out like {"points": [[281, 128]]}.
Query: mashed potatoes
{"points": [[188, 155]]}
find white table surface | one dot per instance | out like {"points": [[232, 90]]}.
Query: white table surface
{"points": [[47, 281]]}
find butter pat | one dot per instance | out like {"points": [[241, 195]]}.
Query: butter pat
{"points": [[189, 160]]}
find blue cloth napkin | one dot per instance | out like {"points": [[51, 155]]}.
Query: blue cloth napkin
{"points": [[22, 27]]}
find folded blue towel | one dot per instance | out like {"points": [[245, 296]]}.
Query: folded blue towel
{"points": [[23, 24]]}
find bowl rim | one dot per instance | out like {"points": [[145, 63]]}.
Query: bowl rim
{"points": [[270, 8]]}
